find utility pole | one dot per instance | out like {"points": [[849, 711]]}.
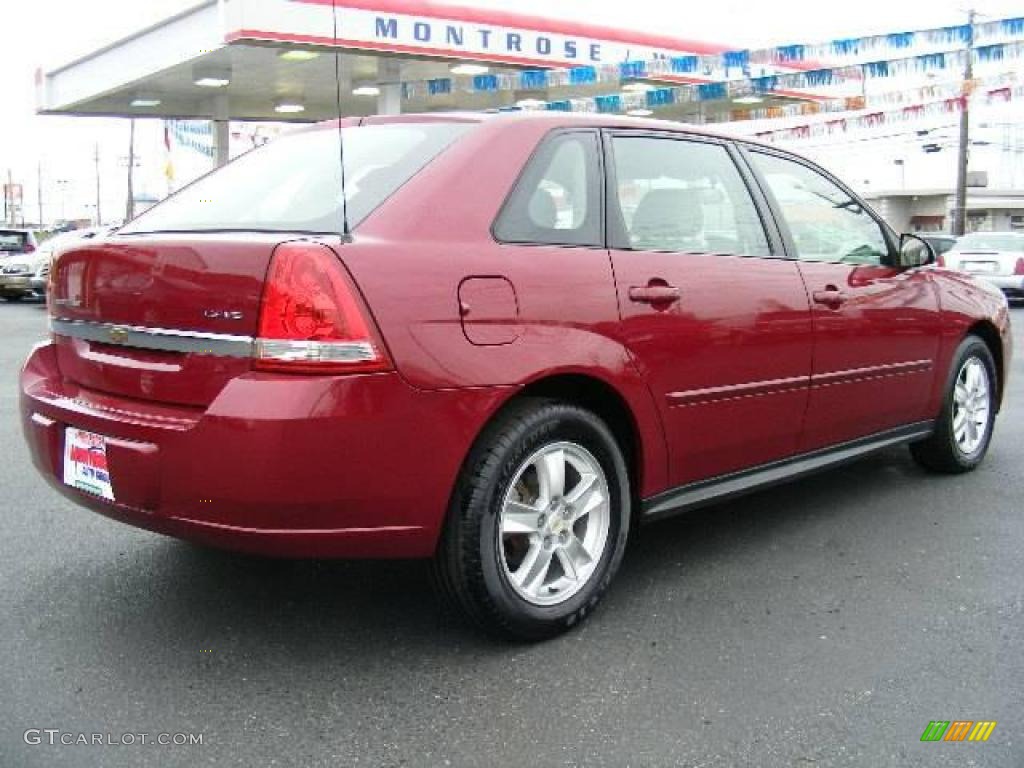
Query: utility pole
{"points": [[96, 159], [960, 206], [9, 200], [129, 211], [39, 190]]}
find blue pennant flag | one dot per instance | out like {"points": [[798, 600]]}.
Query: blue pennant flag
{"points": [[900, 39], [1012, 26], [582, 75], [485, 83], [737, 59], [958, 34], [661, 96], [765, 84], [685, 64], [633, 70], [440, 85], [790, 52], [991, 52], [711, 91], [929, 61], [816, 78], [611, 103], [846, 46], [533, 79], [877, 69]]}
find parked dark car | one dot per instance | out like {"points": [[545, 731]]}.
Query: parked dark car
{"points": [[519, 337]]}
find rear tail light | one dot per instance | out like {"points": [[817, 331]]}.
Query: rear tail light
{"points": [[312, 319], [940, 260], [29, 248], [1019, 269]]}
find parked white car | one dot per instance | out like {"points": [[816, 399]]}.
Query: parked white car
{"points": [[26, 276], [996, 257]]}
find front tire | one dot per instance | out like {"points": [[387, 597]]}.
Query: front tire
{"points": [[963, 430], [538, 524]]}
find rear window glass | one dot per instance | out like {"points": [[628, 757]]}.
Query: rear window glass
{"points": [[294, 184], [991, 241], [12, 241]]}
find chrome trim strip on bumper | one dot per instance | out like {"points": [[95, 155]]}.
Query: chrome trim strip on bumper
{"points": [[162, 339]]}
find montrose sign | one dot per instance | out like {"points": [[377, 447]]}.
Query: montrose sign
{"points": [[419, 28]]}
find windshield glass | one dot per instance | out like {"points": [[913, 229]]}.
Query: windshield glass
{"points": [[294, 183], [991, 241]]}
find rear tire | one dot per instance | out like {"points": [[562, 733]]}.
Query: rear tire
{"points": [[538, 523], [963, 430]]}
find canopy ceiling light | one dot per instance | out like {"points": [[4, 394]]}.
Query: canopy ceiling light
{"points": [[470, 69], [145, 101], [211, 77], [748, 100], [298, 54], [289, 107], [366, 90]]}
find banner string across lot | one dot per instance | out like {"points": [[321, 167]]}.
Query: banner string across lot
{"points": [[874, 119], [668, 69]]}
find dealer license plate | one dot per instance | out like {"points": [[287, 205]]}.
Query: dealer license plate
{"points": [[85, 463]]}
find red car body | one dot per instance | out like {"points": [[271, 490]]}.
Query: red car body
{"points": [[751, 368]]}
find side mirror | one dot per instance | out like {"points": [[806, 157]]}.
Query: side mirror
{"points": [[915, 252]]}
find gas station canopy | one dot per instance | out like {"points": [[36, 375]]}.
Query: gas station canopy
{"points": [[306, 60]]}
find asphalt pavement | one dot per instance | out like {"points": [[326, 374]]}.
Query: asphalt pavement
{"points": [[824, 623]]}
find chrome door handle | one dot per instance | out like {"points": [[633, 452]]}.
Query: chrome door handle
{"points": [[830, 297], [654, 294]]}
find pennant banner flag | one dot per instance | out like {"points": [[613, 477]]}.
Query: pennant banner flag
{"points": [[689, 67]]}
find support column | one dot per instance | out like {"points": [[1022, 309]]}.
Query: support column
{"points": [[221, 131], [389, 75]]}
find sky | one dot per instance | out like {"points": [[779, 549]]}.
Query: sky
{"points": [[49, 33]]}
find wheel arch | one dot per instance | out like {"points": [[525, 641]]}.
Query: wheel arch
{"points": [[630, 414], [988, 333]]}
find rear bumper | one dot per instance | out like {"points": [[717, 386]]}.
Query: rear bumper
{"points": [[18, 285], [355, 466]]}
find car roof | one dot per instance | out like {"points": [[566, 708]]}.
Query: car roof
{"points": [[555, 119]]}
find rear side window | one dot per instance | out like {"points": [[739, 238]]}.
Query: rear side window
{"points": [[557, 200], [685, 196], [294, 183], [12, 241]]}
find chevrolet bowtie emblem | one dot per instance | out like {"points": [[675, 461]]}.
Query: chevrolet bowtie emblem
{"points": [[118, 334]]}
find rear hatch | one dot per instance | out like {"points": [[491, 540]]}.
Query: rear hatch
{"points": [[982, 262], [159, 317], [168, 309]]}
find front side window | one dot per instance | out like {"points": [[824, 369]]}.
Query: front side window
{"points": [[293, 184], [685, 196], [826, 224], [557, 200]]}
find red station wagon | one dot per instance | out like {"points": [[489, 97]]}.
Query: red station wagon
{"points": [[500, 342]]}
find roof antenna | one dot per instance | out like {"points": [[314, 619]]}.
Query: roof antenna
{"points": [[341, 143]]}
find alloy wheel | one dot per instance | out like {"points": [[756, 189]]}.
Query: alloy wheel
{"points": [[554, 523], [971, 406]]}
